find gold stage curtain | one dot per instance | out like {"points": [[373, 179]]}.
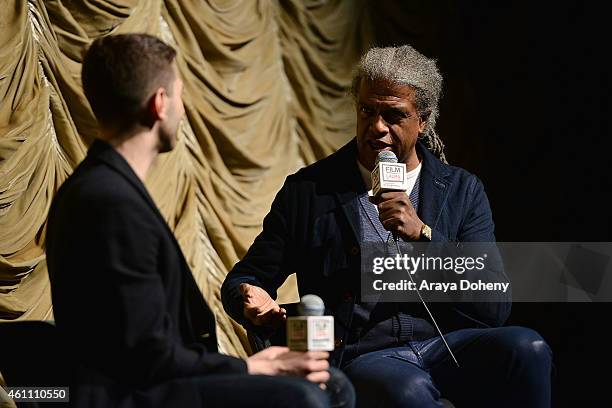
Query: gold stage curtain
{"points": [[265, 93]]}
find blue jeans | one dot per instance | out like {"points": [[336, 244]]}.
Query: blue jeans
{"points": [[499, 367]]}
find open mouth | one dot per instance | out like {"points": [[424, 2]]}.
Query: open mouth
{"points": [[379, 146]]}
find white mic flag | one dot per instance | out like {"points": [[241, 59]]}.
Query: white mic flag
{"points": [[388, 174], [311, 331]]}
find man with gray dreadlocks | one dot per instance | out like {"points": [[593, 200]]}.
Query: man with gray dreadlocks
{"points": [[317, 227]]}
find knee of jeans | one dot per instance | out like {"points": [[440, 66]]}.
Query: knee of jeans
{"points": [[305, 394], [529, 345], [414, 391], [340, 389]]}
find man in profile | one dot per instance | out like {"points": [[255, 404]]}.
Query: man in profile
{"points": [[125, 301], [324, 214]]}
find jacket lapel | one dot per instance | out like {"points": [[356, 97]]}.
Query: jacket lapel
{"points": [[349, 186], [434, 187]]}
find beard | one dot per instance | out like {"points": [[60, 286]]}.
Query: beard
{"points": [[167, 137]]}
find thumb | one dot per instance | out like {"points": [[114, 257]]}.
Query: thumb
{"points": [[244, 289]]}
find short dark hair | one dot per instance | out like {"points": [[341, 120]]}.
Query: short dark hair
{"points": [[120, 73]]}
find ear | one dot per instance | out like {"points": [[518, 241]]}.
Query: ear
{"points": [[158, 105], [423, 118]]}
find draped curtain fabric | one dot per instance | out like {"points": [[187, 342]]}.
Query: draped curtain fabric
{"points": [[265, 94]]}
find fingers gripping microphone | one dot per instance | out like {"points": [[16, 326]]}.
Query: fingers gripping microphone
{"points": [[388, 174], [311, 331]]}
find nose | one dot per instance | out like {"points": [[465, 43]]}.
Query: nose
{"points": [[379, 125]]}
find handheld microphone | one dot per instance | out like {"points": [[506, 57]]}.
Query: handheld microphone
{"points": [[311, 331], [388, 174]]}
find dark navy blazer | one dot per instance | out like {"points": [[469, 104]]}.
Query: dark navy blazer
{"points": [[312, 230]]}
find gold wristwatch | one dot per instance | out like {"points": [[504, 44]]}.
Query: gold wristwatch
{"points": [[426, 232]]}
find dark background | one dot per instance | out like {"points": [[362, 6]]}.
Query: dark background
{"points": [[526, 109]]}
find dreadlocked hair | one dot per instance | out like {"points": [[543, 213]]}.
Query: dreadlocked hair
{"points": [[406, 66]]}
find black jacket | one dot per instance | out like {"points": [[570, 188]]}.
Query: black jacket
{"points": [[124, 298], [312, 229]]}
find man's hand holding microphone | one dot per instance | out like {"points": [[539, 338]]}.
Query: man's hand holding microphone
{"points": [[395, 211], [397, 214]]}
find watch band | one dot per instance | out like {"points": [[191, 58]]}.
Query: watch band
{"points": [[426, 232]]}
